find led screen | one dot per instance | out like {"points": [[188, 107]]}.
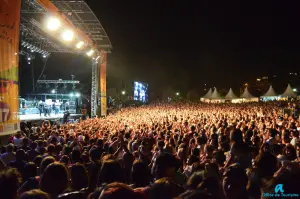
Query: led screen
{"points": [[140, 91]]}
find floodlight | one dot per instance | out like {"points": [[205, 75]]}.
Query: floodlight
{"points": [[77, 94], [53, 24], [123, 92], [68, 35], [294, 89], [79, 44], [28, 58], [90, 53], [177, 94], [71, 94], [53, 91]]}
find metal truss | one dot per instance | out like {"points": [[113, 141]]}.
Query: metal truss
{"points": [[84, 18], [94, 93], [58, 82]]}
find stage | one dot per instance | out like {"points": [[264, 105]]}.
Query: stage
{"points": [[36, 117]]}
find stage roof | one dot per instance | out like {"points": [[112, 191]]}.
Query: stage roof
{"points": [[76, 12]]}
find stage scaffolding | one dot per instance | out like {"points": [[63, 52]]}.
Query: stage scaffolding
{"points": [[34, 38]]}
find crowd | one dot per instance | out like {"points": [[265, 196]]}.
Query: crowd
{"points": [[160, 151]]}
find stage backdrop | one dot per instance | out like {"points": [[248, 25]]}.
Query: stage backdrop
{"points": [[9, 50]]}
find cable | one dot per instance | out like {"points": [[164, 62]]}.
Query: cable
{"points": [[41, 73]]}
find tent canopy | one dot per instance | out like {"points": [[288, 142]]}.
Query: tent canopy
{"points": [[270, 92], [208, 94], [215, 95], [289, 92], [247, 94], [230, 95]]}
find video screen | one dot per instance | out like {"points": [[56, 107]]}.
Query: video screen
{"points": [[140, 92]]}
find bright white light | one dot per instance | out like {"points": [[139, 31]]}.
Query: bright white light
{"points": [[123, 92], [177, 94], [53, 24], [77, 94], [79, 44], [53, 91], [16, 53], [28, 62], [71, 94], [29, 58], [294, 89], [68, 35], [44, 56], [90, 53], [97, 58]]}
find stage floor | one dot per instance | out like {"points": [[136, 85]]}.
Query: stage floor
{"points": [[32, 117]]}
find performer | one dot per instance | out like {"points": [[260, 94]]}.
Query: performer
{"points": [[41, 107], [66, 115]]}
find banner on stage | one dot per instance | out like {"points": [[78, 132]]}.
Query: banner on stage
{"points": [[103, 100], [9, 64]]}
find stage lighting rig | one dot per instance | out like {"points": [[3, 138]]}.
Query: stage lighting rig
{"points": [[68, 35], [79, 44], [90, 53], [53, 24]]}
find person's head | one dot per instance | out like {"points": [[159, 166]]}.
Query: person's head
{"points": [[234, 182], [165, 166], [110, 172], [195, 179], [76, 156], [118, 190], [47, 161], [290, 152], [266, 164], [10, 181], [30, 170], [20, 155], [55, 179], [236, 136], [34, 194], [140, 175], [10, 148], [272, 133], [164, 188], [100, 143], [161, 145], [79, 177]]}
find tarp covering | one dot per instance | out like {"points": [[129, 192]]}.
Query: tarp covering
{"points": [[230, 95], [289, 92], [246, 94], [270, 92]]}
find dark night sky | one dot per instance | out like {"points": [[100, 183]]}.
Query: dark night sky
{"points": [[184, 44]]}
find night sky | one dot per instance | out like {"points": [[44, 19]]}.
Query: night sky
{"points": [[186, 44]]}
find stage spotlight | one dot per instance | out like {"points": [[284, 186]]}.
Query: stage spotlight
{"points": [[71, 94], [97, 58], [80, 44], [53, 24], [294, 89], [53, 91], [68, 35], [77, 94], [29, 58], [44, 56], [90, 53], [29, 62], [123, 92]]}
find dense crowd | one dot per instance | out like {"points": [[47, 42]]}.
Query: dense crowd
{"points": [[161, 151]]}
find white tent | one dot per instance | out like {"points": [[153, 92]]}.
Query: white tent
{"points": [[230, 95], [270, 92], [215, 95], [208, 94], [247, 94], [270, 95], [289, 92]]}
